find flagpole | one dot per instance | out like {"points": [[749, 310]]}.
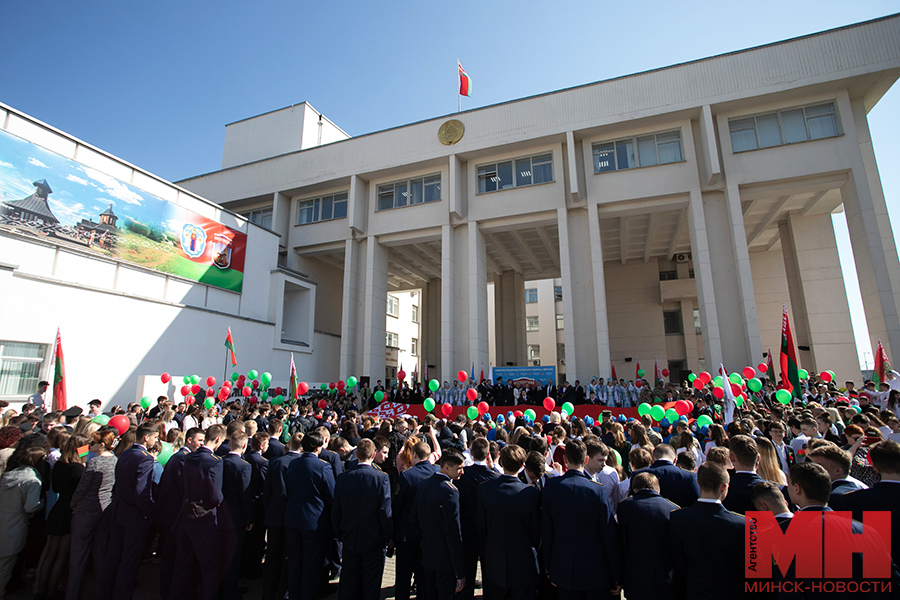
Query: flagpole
{"points": [[458, 99], [225, 370]]}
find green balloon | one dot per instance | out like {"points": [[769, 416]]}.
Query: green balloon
{"points": [[235, 376], [264, 395], [428, 404], [323, 387], [704, 420], [803, 374], [195, 379], [351, 382], [739, 401], [279, 399], [754, 384], [145, 402], [332, 391], [568, 408], [657, 412], [101, 419], [165, 454], [529, 413], [735, 378], [252, 374], [209, 403], [379, 396], [644, 409], [186, 379], [856, 408], [718, 381], [433, 385], [472, 412], [691, 377], [657, 399], [641, 372], [672, 415], [266, 378], [783, 396]]}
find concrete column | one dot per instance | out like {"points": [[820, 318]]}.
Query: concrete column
{"points": [[692, 351], [477, 280], [375, 310], [816, 285], [582, 360], [706, 297], [350, 310], [430, 316], [447, 297], [509, 319], [602, 329], [752, 346]]}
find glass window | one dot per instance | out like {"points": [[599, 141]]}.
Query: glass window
{"points": [[767, 131], [794, 126], [668, 275], [697, 328], [401, 196], [416, 191], [560, 322], [604, 158], [821, 121], [531, 324], [656, 149], [20, 368], [534, 352], [542, 166], [325, 208], [672, 322], [647, 150], [392, 340], [261, 217], [531, 295], [393, 306], [415, 313], [743, 134], [784, 127], [557, 293], [504, 175], [561, 353], [409, 192], [414, 347], [625, 154], [669, 145], [487, 178], [340, 206], [433, 188], [523, 171]]}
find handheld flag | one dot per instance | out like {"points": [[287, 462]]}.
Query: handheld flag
{"points": [[730, 404], [481, 378], [613, 365], [657, 376], [229, 343], [637, 368], [790, 372], [59, 375], [882, 365], [465, 82], [82, 450], [770, 367]]}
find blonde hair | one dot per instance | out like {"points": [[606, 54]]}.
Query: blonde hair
{"points": [[768, 467]]}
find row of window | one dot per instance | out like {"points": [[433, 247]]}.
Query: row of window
{"points": [[326, 208], [409, 192], [393, 308], [673, 325], [784, 127], [530, 170], [533, 323], [392, 340], [642, 151], [531, 295]]}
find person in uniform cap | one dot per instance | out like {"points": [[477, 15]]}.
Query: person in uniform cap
{"points": [[275, 501], [509, 527], [238, 512], [361, 517], [436, 516], [133, 509], [469, 482], [309, 483]]}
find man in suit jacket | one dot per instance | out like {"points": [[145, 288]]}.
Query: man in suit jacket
{"points": [[643, 521], [785, 453], [230, 429], [337, 467], [469, 482], [578, 394], [532, 474], [509, 526], [836, 463], [549, 390], [309, 483], [238, 512], [744, 454], [406, 539], [712, 564], [254, 542], [133, 510], [675, 485], [275, 501], [171, 493], [436, 516], [276, 448], [198, 522], [582, 560], [361, 517]]}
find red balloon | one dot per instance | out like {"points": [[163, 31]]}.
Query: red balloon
{"points": [[698, 383], [825, 376], [189, 400], [472, 394], [665, 372], [446, 409], [210, 391], [483, 407], [302, 388], [185, 390], [253, 400], [331, 386], [749, 372], [342, 393], [165, 377], [639, 383], [718, 392], [120, 423], [763, 367], [340, 385], [549, 403], [195, 389], [518, 413], [690, 405], [682, 407], [227, 384], [735, 389], [255, 383], [210, 381], [246, 391], [705, 377], [462, 377], [401, 375], [323, 403]]}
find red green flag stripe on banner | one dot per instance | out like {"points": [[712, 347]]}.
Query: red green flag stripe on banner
{"points": [[229, 343], [882, 365], [790, 371], [59, 375], [465, 82]]}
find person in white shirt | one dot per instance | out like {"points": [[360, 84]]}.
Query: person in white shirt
{"points": [[600, 472], [38, 398], [783, 451], [809, 430]]}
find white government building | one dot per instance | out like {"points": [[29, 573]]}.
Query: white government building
{"points": [[665, 214]]}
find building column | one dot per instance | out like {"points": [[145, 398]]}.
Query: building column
{"points": [[692, 351], [819, 305], [447, 320], [603, 354], [350, 311], [430, 315], [509, 319], [375, 311], [706, 297], [477, 280], [579, 310], [752, 346]]}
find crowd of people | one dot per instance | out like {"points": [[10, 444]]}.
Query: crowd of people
{"points": [[306, 493]]}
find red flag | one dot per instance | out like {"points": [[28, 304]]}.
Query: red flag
{"points": [[465, 82], [481, 378], [293, 384], [59, 376], [613, 365], [229, 343], [882, 365], [637, 367], [790, 371]]}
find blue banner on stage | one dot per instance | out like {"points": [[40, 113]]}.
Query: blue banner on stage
{"points": [[537, 374]]}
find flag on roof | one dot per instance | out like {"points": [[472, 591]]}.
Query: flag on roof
{"points": [[465, 82]]}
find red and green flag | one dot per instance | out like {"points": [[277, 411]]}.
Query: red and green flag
{"points": [[790, 371], [657, 376], [82, 450], [293, 385], [770, 367], [613, 365], [882, 365], [229, 343], [59, 375], [465, 82]]}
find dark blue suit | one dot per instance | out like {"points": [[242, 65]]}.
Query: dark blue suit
{"points": [[133, 510], [171, 493], [307, 522], [436, 517], [334, 550], [578, 536], [884, 495], [274, 501], [740, 489], [508, 515], [644, 541], [237, 512], [198, 524], [255, 538], [473, 476], [675, 484], [711, 563], [275, 449], [405, 539], [361, 517]]}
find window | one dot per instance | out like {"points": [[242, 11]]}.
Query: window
{"points": [[783, 127], [690, 273], [534, 352], [391, 340], [530, 170], [559, 322], [325, 208], [261, 217], [643, 151], [557, 293], [561, 353], [697, 329], [530, 295], [415, 313], [672, 322], [20, 368], [414, 347], [531, 324], [668, 275], [393, 306], [409, 192]]}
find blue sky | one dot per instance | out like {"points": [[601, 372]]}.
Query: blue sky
{"points": [[155, 83]]}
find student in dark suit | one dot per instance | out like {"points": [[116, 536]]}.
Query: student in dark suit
{"points": [[276, 448], [436, 516], [238, 512], [255, 538], [583, 560], [171, 493], [133, 510], [744, 455], [675, 485], [532, 474], [406, 539], [836, 463], [361, 517], [578, 394], [783, 451], [337, 467], [307, 518], [230, 429], [643, 521], [275, 501], [198, 522], [712, 564], [509, 526], [468, 485], [767, 496]]}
